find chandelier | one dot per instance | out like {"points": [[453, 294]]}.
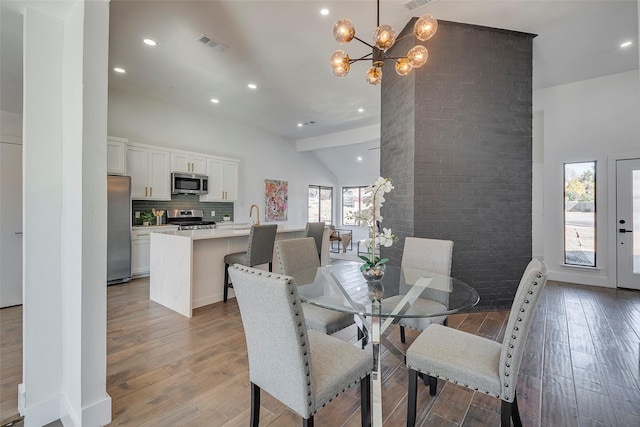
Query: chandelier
{"points": [[383, 39]]}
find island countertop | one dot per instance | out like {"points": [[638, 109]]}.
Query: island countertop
{"points": [[187, 267], [224, 232]]}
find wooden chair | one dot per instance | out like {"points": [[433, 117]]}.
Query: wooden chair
{"points": [[340, 238], [302, 368], [476, 362]]}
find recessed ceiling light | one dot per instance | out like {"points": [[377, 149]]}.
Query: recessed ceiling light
{"points": [[299, 125], [149, 42], [215, 101], [252, 86], [359, 158], [360, 110], [118, 70], [626, 44], [324, 12]]}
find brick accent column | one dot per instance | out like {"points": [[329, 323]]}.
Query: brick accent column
{"points": [[456, 141]]}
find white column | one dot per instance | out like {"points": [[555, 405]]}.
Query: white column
{"points": [[64, 134]]}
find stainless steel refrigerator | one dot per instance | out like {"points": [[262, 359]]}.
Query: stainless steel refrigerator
{"points": [[118, 229]]}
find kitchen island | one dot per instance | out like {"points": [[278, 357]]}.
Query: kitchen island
{"points": [[187, 267]]}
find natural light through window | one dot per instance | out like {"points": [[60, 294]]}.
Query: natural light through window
{"points": [[352, 203], [580, 214], [320, 204]]}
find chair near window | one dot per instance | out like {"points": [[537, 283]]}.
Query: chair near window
{"points": [[339, 238], [476, 362], [302, 368], [316, 230], [298, 256], [259, 251]]}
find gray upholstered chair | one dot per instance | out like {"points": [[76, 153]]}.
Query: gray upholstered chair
{"points": [[303, 369], [475, 362], [430, 255], [259, 251], [316, 230], [299, 255]]}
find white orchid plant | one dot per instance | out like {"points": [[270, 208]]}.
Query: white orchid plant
{"points": [[370, 216]]}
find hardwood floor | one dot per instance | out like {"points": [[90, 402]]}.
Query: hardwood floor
{"points": [[166, 370]]}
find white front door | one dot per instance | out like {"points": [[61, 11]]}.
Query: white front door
{"points": [[628, 223]]}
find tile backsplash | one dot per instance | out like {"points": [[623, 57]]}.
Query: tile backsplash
{"points": [[182, 201]]}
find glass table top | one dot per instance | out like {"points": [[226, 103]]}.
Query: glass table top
{"points": [[403, 292]]}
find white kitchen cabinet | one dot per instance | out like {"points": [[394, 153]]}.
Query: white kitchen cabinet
{"points": [[116, 156], [150, 172], [223, 180], [140, 245], [190, 163]]}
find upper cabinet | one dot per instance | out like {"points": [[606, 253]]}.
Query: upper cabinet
{"points": [[184, 162], [223, 180], [150, 171], [116, 156]]}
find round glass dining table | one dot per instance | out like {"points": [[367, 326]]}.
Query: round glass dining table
{"points": [[402, 293]]}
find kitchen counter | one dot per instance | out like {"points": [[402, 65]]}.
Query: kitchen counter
{"points": [[187, 267], [224, 232]]}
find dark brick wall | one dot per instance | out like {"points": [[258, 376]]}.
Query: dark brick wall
{"points": [[465, 153]]}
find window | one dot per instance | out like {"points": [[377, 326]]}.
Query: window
{"points": [[580, 214], [352, 203], [320, 204]]}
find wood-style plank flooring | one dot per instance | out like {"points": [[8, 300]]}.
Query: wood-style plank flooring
{"points": [[166, 370]]}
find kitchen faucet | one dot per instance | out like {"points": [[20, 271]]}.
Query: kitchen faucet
{"points": [[257, 215]]}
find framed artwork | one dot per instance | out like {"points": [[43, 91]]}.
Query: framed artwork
{"points": [[276, 195]]}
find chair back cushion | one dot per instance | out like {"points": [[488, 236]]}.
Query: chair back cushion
{"points": [[261, 239], [522, 310], [295, 255], [316, 230], [430, 255], [276, 335]]}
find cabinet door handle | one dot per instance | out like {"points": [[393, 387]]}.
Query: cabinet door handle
{"points": [[18, 233], [146, 190], [150, 191]]}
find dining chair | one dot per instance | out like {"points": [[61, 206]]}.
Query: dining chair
{"points": [[296, 257], [476, 362], [259, 251], [316, 230], [430, 255], [302, 368]]}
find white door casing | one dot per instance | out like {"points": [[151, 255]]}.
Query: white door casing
{"points": [[628, 223]]}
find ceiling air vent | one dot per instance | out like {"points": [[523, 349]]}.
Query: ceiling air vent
{"points": [[414, 4], [206, 40]]}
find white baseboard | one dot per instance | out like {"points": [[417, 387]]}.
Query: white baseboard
{"points": [[59, 408], [581, 279]]}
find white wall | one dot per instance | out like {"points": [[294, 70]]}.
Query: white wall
{"points": [[584, 121], [262, 156]]}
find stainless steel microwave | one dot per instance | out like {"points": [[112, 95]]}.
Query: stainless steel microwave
{"points": [[189, 183]]}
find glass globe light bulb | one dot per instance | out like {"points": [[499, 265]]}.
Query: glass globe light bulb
{"points": [[340, 63], [384, 37], [403, 67], [418, 56], [374, 75], [344, 31], [425, 27]]}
